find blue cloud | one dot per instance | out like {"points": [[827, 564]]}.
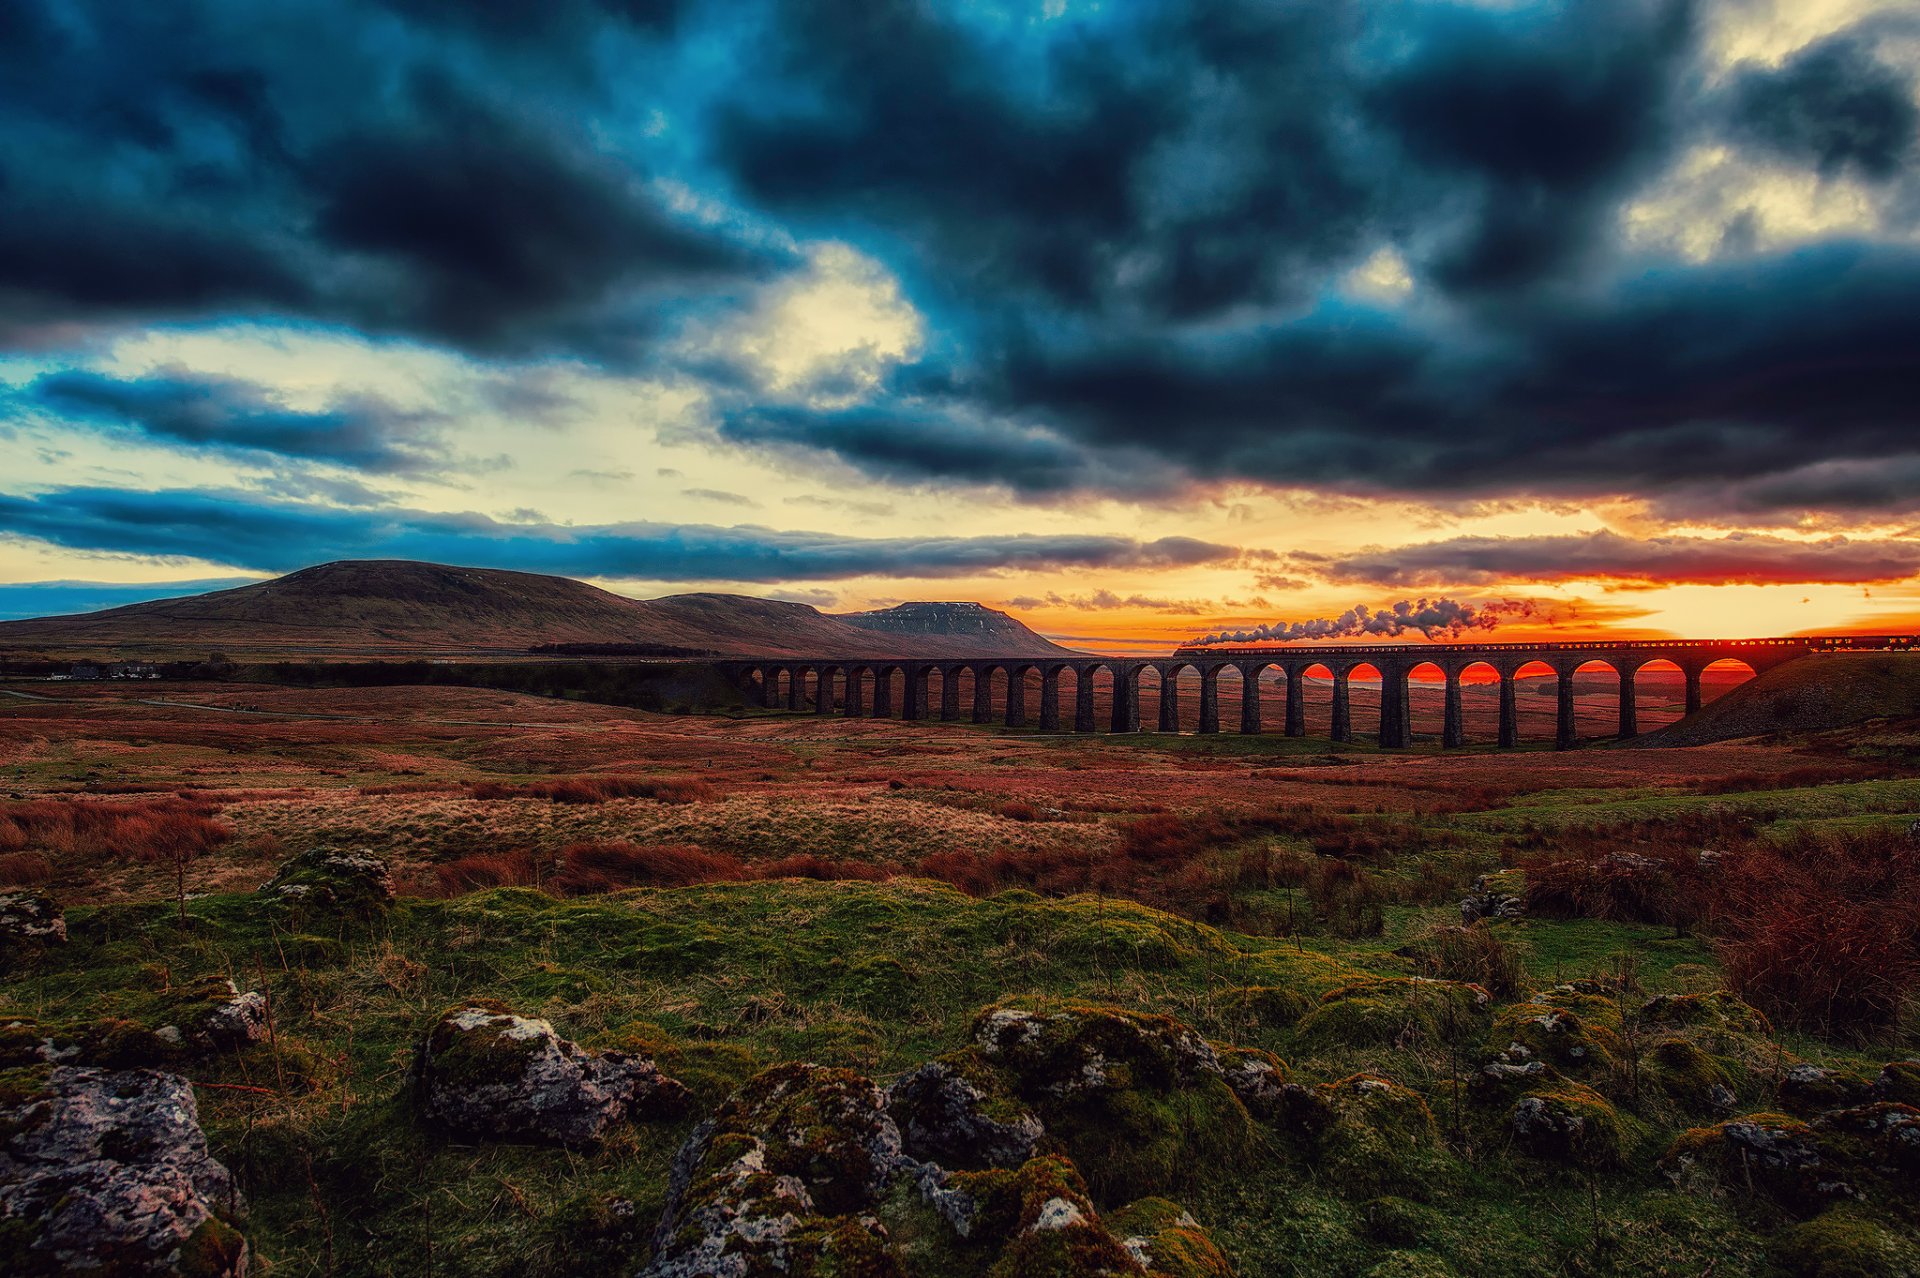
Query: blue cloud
{"points": [[240, 529], [60, 598]]}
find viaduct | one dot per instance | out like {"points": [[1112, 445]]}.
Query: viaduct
{"points": [[841, 682]]}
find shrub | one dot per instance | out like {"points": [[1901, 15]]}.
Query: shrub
{"points": [[1346, 898], [1820, 932], [589, 790], [24, 869], [806, 865], [487, 870], [1019, 811], [1476, 953], [593, 867]]}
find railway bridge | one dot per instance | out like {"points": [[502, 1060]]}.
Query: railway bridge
{"points": [[827, 685]]}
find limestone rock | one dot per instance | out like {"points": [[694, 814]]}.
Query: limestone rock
{"points": [[108, 1171], [325, 880], [484, 1072], [1488, 901], [1813, 1089], [216, 1014], [30, 919], [785, 1171], [951, 1113]]}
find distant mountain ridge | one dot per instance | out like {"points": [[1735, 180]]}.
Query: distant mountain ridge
{"points": [[989, 628], [390, 608]]}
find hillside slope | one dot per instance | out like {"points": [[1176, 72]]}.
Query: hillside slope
{"points": [[1812, 694], [395, 608]]}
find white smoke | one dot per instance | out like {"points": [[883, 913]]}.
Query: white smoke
{"points": [[1433, 618]]}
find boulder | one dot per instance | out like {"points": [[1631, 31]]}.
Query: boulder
{"points": [[1563, 1039], [1814, 1089], [1568, 1124], [1715, 1010], [1165, 1240], [1774, 1155], [484, 1072], [1138, 1101], [1397, 1009], [29, 920], [107, 1171], [216, 1014], [1898, 1081], [1692, 1077], [783, 1179], [1368, 1134], [322, 880], [954, 1112], [1491, 898]]}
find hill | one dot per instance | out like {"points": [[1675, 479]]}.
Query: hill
{"points": [[1813, 694], [393, 608], [986, 628]]}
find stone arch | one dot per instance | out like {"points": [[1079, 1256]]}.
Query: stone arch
{"points": [[1599, 703], [1534, 685], [889, 692], [1478, 683], [1722, 675], [1427, 687], [1659, 692], [1345, 711]]}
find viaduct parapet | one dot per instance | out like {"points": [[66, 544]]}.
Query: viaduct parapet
{"points": [[828, 685]]}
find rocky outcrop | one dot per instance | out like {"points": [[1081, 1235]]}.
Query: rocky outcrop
{"points": [[215, 1014], [29, 920], [1490, 899], [1815, 1089], [790, 1166], [1569, 1124], [323, 880], [107, 1171], [953, 1113], [486, 1073]]}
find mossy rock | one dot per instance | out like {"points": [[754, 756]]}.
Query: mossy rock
{"points": [[1882, 1139], [1568, 1124], [1035, 1221], [1400, 1009], [29, 922], [961, 1113], [1898, 1081], [1265, 1007], [214, 1013], [322, 881], [1691, 1077], [1163, 1237], [1815, 1089], [1715, 1010], [1141, 1102], [1776, 1156], [1844, 1243], [1369, 1135], [1561, 1038]]}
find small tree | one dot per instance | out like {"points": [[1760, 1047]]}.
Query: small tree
{"points": [[177, 841]]}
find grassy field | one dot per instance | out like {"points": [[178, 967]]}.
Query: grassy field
{"points": [[869, 888]]}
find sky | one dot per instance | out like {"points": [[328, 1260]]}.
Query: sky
{"points": [[1140, 320]]}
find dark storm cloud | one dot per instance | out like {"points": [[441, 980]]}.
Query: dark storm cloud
{"points": [[1834, 103], [1738, 372], [187, 161], [225, 415], [241, 529], [1128, 227], [1607, 556]]}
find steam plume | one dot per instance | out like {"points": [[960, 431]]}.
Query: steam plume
{"points": [[1434, 618]]}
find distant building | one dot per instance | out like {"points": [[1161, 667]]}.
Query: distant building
{"points": [[84, 670]]}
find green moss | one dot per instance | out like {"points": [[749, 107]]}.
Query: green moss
{"points": [[1716, 1010], [1568, 1124], [1369, 1135], [1410, 1264], [213, 1250], [1401, 1222], [1175, 1244], [1134, 1098], [1397, 1010], [1775, 1157], [1265, 1007], [1899, 1081], [1561, 1038], [1812, 1089], [1844, 1243], [1692, 1077]]}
